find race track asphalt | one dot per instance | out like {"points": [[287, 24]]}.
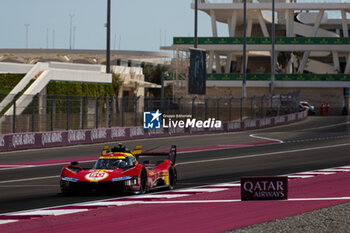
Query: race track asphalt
{"points": [[316, 143]]}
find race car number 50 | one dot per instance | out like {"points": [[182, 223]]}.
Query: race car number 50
{"points": [[96, 176]]}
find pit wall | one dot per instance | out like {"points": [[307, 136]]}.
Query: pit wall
{"points": [[19, 141]]}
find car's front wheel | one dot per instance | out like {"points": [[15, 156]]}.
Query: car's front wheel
{"points": [[143, 182]]}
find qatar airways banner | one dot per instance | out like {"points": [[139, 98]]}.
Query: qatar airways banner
{"points": [[31, 140], [264, 188]]}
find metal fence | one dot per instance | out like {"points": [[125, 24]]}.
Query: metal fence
{"points": [[54, 112]]}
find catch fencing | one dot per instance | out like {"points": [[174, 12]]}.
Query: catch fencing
{"points": [[56, 113]]}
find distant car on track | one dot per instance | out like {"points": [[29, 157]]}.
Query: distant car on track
{"points": [[120, 169], [304, 104]]}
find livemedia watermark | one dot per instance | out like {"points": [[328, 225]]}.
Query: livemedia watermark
{"points": [[157, 120]]}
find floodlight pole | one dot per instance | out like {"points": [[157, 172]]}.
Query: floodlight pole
{"points": [[272, 84], [70, 30], [27, 26], [53, 38], [47, 38], [244, 88], [108, 50], [195, 24], [74, 29]]}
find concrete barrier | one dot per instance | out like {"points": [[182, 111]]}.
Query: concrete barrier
{"points": [[36, 140]]}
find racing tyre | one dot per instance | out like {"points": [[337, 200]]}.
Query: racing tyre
{"points": [[143, 182], [68, 192], [172, 177]]}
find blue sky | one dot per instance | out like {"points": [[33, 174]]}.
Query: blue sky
{"points": [[138, 23]]}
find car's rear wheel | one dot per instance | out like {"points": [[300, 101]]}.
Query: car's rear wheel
{"points": [[172, 177]]}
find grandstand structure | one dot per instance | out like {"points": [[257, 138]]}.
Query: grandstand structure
{"points": [[312, 49]]}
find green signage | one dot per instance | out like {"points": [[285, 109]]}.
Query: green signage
{"points": [[267, 77], [262, 40]]}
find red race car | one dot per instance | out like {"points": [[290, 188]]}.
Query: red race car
{"points": [[121, 169]]}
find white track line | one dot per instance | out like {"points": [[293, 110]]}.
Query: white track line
{"points": [[327, 126], [319, 199], [225, 185], [299, 176], [266, 138], [50, 212], [44, 165], [29, 179], [7, 221], [266, 154], [335, 170], [14, 166], [201, 190], [317, 173], [112, 203], [233, 200], [28, 186], [159, 196]]}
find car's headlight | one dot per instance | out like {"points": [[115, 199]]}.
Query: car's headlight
{"points": [[131, 182], [120, 178], [70, 179]]}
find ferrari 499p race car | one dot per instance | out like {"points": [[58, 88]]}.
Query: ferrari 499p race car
{"points": [[119, 168]]}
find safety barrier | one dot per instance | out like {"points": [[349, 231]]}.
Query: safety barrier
{"points": [[18, 141]]}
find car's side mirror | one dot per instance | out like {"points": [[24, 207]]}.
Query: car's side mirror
{"points": [[74, 163]]}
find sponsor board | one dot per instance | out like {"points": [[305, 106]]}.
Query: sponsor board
{"points": [[303, 115], [98, 134], [176, 130], [155, 131], [2, 140], [231, 126], [221, 128], [265, 122], [264, 188], [51, 137], [136, 131], [250, 124], [195, 129], [23, 139], [279, 120], [76, 135], [118, 133], [17, 141], [292, 117]]}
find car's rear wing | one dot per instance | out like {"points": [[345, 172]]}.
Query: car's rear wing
{"points": [[171, 154]]}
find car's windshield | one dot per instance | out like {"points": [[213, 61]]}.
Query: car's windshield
{"points": [[110, 163]]}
